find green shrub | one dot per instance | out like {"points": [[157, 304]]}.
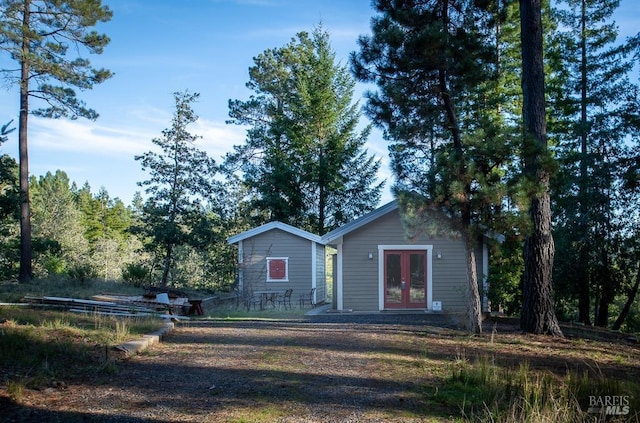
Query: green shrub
{"points": [[54, 265], [82, 273], [15, 390], [135, 274]]}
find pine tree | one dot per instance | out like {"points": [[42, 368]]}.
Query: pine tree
{"points": [[304, 160], [57, 220], [39, 35], [180, 185], [538, 314], [8, 182], [434, 64], [598, 96], [106, 223], [9, 209]]}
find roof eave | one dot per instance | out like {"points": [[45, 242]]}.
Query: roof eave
{"points": [[270, 226], [332, 236]]}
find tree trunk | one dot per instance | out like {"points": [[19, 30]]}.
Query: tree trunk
{"points": [[538, 315], [167, 266], [627, 305], [474, 307], [474, 323], [322, 188], [584, 295], [25, 271]]}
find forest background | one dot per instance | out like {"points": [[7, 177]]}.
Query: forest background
{"points": [[593, 131]]}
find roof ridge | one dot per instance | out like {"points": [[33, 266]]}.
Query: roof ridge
{"points": [[275, 224], [359, 222]]}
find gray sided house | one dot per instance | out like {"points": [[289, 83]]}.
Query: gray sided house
{"points": [[277, 257], [378, 268]]}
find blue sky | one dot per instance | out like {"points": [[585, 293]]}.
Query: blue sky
{"points": [[159, 47]]}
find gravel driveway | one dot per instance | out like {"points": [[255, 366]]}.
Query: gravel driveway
{"points": [[326, 368]]}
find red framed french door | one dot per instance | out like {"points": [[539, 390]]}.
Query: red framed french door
{"points": [[405, 279]]}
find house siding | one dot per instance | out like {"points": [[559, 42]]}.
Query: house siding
{"points": [[278, 243], [360, 274], [321, 282], [450, 275]]}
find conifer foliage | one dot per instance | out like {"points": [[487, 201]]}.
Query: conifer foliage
{"points": [[597, 117], [433, 63], [40, 35], [304, 160], [180, 186]]}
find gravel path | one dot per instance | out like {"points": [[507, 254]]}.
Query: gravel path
{"points": [[326, 368]]}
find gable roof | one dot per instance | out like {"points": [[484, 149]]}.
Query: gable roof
{"points": [[273, 225], [334, 235], [359, 222]]}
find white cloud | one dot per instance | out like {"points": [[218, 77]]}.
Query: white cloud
{"points": [[85, 137], [79, 136]]}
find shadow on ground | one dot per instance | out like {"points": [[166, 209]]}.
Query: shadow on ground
{"points": [[316, 368]]}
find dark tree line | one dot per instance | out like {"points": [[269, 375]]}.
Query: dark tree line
{"points": [[448, 74], [517, 118]]}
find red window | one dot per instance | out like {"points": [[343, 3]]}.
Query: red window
{"points": [[277, 268]]}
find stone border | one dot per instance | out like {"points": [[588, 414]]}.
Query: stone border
{"points": [[137, 346]]}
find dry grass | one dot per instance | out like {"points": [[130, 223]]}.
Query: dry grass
{"points": [[277, 366], [43, 348], [237, 370]]}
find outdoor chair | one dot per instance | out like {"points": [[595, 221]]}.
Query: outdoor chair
{"points": [[308, 298], [253, 300], [285, 299], [240, 298], [269, 298]]}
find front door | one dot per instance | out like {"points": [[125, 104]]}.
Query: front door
{"points": [[405, 279]]}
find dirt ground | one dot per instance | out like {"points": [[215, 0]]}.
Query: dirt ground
{"points": [[325, 369]]}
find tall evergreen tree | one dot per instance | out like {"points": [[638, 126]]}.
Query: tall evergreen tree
{"points": [[597, 99], [90, 216], [538, 314], [434, 63], [180, 185], [102, 216], [40, 35], [304, 160], [106, 223]]}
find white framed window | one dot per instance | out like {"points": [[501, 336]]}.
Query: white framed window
{"points": [[277, 269]]}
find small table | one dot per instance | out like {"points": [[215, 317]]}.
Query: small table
{"points": [[267, 296], [195, 308]]}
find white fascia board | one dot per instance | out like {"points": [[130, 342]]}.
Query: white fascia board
{"points": [[274, 225], [331, 237]]}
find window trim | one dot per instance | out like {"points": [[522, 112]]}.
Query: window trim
{"points": [[286, 269]]}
